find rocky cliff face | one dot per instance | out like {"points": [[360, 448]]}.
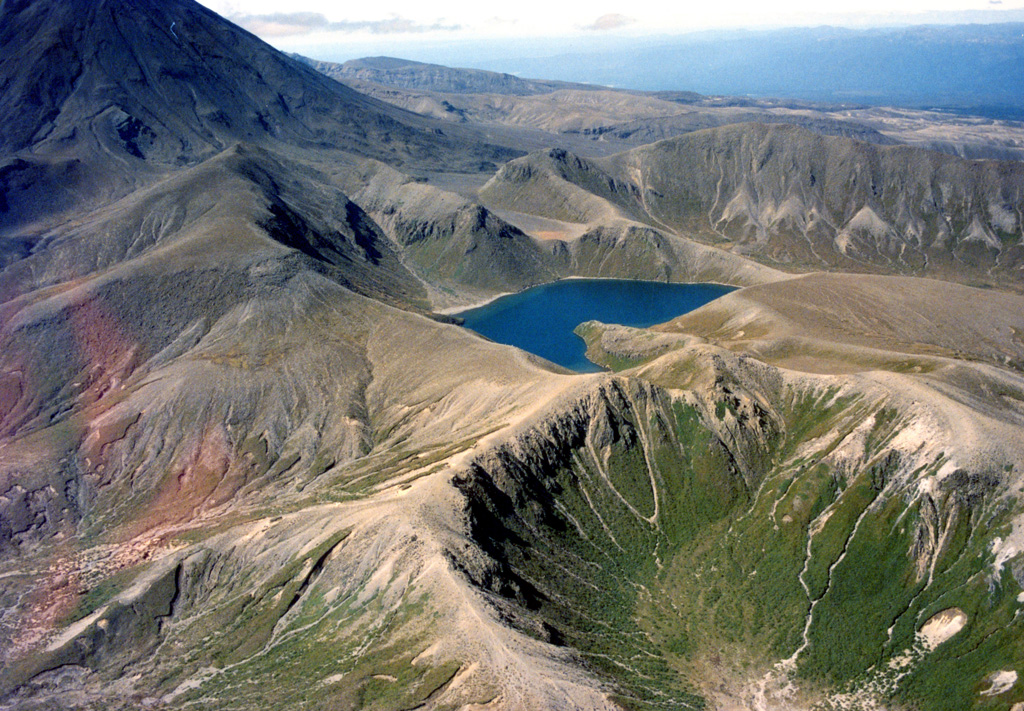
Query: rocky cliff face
{"points": [[752, 495]]}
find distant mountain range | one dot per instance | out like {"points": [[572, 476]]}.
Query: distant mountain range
{"points": [[615, 118], [960, 66], [407, 74]]}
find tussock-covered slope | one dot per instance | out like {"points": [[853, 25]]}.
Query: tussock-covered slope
{"points": [[494, 529], [457, 247], [241, 205], [561, 186], [628, 250], [885, 314], [462, 251], [881, 489], [252, 424], [205, 431]]}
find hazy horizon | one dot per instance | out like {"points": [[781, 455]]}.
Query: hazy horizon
{"points": [[424, 31]]}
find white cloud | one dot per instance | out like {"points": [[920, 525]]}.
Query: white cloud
{"points": [[301, 23], [542, 18], [611, 21]]}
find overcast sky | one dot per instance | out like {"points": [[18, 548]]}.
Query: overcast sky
{"points": [[297, 25]]}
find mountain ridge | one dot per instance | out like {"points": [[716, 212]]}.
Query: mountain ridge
{"points": [[606, 115], [410, 74], [115, 95], [791, 197]]}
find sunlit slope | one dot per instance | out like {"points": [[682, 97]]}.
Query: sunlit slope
{"points": [[203, 426], [298, 489], [824, 322]]}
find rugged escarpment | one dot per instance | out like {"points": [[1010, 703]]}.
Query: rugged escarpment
{"points": [[788, 196], [735, 522]]}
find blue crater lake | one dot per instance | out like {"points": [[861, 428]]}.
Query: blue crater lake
{"points": [[541, 320]]}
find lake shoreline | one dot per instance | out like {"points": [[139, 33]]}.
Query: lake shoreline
{"points": [[456, 310], [542, 319]]}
